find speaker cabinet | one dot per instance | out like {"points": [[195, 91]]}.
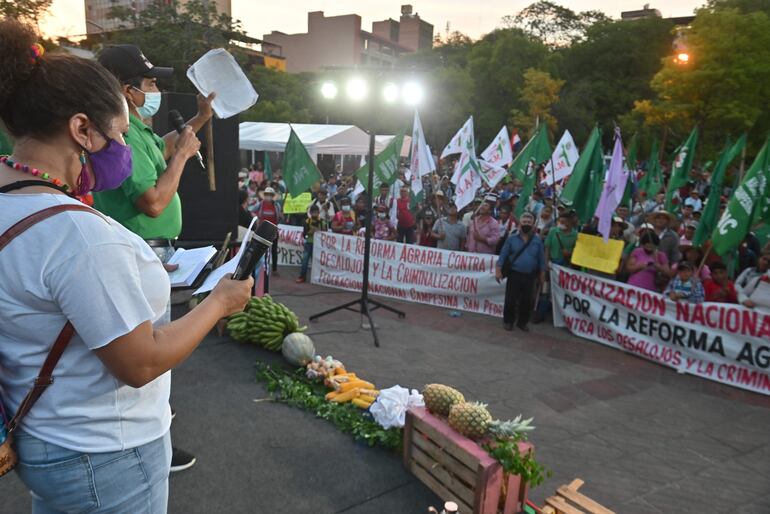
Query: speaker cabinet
{"points": [[207, 216]]}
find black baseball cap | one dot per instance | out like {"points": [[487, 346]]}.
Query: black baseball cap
{"points": [[127, 62]]}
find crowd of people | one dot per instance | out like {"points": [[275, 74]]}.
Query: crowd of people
{"points": [[658, 249]]}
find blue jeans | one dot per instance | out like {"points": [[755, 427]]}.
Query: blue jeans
{"points": [[306, 256], [66, 481]]}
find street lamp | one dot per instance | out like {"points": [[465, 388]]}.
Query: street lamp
{"points": [[682, 58], [357, 91]]}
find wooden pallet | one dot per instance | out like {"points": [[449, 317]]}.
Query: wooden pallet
{"points": [[569, 501], [456, 468]]}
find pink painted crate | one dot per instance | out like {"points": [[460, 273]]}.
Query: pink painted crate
{"points": [[457, 468]]}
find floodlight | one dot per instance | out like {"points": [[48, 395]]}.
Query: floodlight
{"points": [[412, 93], [357, 89], [329, 90], [683, 57], [390, 92]]}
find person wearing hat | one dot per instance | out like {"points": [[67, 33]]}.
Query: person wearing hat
{"points": [[470, 211], [425, 237], [669, 239], [406, 226], [618, 228], [325, 206], [484, 231], [147, 203], [270, 210], [694, 201], [441, 203], [449, 231]]}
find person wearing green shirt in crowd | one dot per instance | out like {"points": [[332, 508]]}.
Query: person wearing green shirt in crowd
{"points": [[560, 243], [147, 203], [6, 148]]}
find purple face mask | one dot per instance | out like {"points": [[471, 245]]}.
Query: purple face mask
{"points": [[111, 166]]}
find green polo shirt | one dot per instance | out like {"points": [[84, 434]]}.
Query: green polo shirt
{"points": [[147, 165], [553, 247], [6, 148]]}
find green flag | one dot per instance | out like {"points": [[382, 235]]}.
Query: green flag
{"points": [[299, 170], [749, 204], [538, 150], [584, 187], [266, 165], [385, 164], [652, 180], [680, 168], [710, 214], [628, 194]]}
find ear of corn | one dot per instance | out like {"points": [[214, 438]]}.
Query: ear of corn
{"points": [[355, 384], [346, 396], [331, 395], [361, 403]]}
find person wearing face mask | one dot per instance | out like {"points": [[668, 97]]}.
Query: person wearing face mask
{"points": [[345, 222], [648, 267], [383, 227], [522, 262], [270, 210], [97, 440], [147, 203]]}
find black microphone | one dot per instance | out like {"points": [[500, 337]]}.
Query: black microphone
{"points": [[256, 247], [176, 121]]}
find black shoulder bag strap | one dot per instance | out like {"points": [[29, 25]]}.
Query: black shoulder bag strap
{"points": [[509, 263]]}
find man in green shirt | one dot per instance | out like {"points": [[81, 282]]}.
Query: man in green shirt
{"points": [[6, 148], [147, 203], [560, 241]]}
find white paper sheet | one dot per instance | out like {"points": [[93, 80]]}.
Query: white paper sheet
{"points": [[228, 267], [191, 263], [217, 71]]}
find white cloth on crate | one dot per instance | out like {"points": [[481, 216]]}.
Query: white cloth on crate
{"points": [[106, 281]]}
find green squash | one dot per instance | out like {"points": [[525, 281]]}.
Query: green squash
{"points": [[298, 349]]}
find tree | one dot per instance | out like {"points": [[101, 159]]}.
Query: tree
{"points": [[539, 94], [283, 97], [172, 34], [553, 24], [725, 87], [24, 10], [610, 70]]}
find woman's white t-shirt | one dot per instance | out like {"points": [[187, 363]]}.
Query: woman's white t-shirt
{"points": [[106, 281]]}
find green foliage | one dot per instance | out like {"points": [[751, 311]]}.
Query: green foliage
{"points": [[283, 97], [553, 24], [505, 450], [25, 10], [610, 70], [539, 94], [172, 35], [293, 388], [725, 87]]}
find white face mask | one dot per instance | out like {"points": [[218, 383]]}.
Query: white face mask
{"points": [[346, 208], [382, 215]]}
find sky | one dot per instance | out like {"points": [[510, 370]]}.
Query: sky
{"points": [[474, 18]]}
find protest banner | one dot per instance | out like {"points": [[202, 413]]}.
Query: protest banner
{"points": [[444, 278], [594, 253], [298, 204], [726, 343], [291, 244]]}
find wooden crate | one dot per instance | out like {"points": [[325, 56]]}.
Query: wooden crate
{"points": [[457, 468], [568, 500]]}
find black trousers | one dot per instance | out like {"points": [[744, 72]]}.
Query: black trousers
{"points": [[519, 293], [274, 255]]}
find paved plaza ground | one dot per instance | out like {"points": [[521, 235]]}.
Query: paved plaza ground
{"points": [[645, 439]]}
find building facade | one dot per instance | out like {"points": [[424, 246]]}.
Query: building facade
{"points": [[98, 12], [339, 41]]}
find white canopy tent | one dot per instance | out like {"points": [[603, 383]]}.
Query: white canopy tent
{"points": [[318, 139]]}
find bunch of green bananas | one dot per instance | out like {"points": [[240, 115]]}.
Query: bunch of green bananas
{"points": [[264, 322]]}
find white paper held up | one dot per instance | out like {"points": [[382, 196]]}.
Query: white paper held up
{"points": [[217, 71], [228, 267]]}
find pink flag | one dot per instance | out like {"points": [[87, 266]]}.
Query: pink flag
{"points": [[614, 187]]}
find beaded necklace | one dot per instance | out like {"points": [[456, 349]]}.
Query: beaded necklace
{"points": [[5, 159]]}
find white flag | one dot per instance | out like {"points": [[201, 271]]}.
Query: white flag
{"points": [[420, 161], [498, 153], [456, 145], [467, 172], [491, 173], [564, 157]]}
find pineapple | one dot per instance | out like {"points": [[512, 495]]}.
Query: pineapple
{"points": [[470, 419], [440, 398], [511, 428]]}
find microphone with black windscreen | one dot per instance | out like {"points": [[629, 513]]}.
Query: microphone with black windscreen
{"points": [[177, 122], [256, 247]]}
